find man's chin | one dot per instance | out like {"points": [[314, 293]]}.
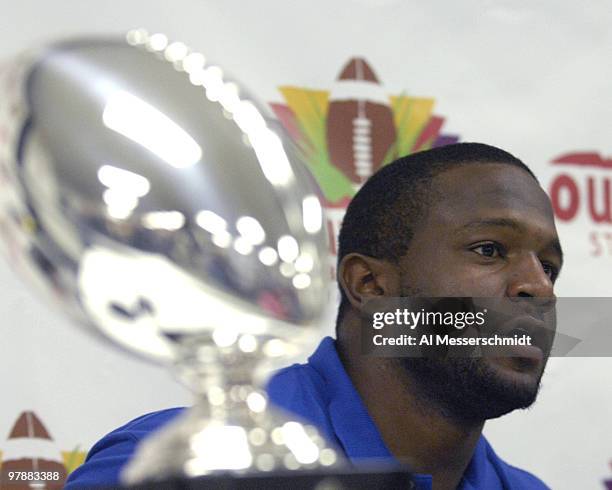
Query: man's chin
{"points": [[474, 390]]}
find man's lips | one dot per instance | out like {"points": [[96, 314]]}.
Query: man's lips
{"points": [[528, 325], [517, 328], [532, 352]]}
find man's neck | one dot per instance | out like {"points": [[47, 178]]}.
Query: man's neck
{"points": [[415, 432]]}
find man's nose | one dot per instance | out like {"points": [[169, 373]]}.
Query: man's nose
{"points": [[528, 279]]}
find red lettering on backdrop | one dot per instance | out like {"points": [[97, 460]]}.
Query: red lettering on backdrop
{"points": [[561, 182], [596, 251], [604, 216]]}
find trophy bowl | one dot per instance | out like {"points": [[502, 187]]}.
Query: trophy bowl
{"points": [[160, 207]]}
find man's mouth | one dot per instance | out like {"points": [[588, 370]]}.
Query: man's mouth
{"points": [[534, 336]]}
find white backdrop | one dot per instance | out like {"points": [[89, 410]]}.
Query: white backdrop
{"points": [[530, 77]]}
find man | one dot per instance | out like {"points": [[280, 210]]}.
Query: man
{"points": [[462, 220]]}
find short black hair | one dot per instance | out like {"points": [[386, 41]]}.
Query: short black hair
{"points": [[382, 217]]}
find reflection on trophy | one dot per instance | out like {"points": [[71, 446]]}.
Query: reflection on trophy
{"points": [[157, 205]]}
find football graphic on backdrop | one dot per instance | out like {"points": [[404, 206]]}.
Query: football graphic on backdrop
{"points": [[30, 448], [360, 126]]}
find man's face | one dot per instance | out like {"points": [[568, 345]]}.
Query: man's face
{"points": [[489, 232]]}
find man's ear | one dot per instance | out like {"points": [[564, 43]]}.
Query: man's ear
{"points": [[363, 278]]}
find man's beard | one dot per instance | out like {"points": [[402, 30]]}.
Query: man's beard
{"points": [[467, 390]]}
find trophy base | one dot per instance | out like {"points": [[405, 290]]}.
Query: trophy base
{"points": [[239, 443], [353, 479]]}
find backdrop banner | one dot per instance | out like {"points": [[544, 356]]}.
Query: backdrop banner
{"points": [[356, 83]]}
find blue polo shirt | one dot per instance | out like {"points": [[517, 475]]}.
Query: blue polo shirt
{"points": [[320, 392]]}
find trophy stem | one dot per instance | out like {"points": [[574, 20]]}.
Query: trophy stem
{"points": [[226, 379]]}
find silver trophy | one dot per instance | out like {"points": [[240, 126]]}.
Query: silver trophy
{"points": [[156, 203]]}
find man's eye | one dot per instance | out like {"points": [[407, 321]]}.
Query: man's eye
{"points": [[489, 250], [550, 270]]}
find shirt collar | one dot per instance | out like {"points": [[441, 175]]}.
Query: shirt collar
{"points": [[352, 423]]}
